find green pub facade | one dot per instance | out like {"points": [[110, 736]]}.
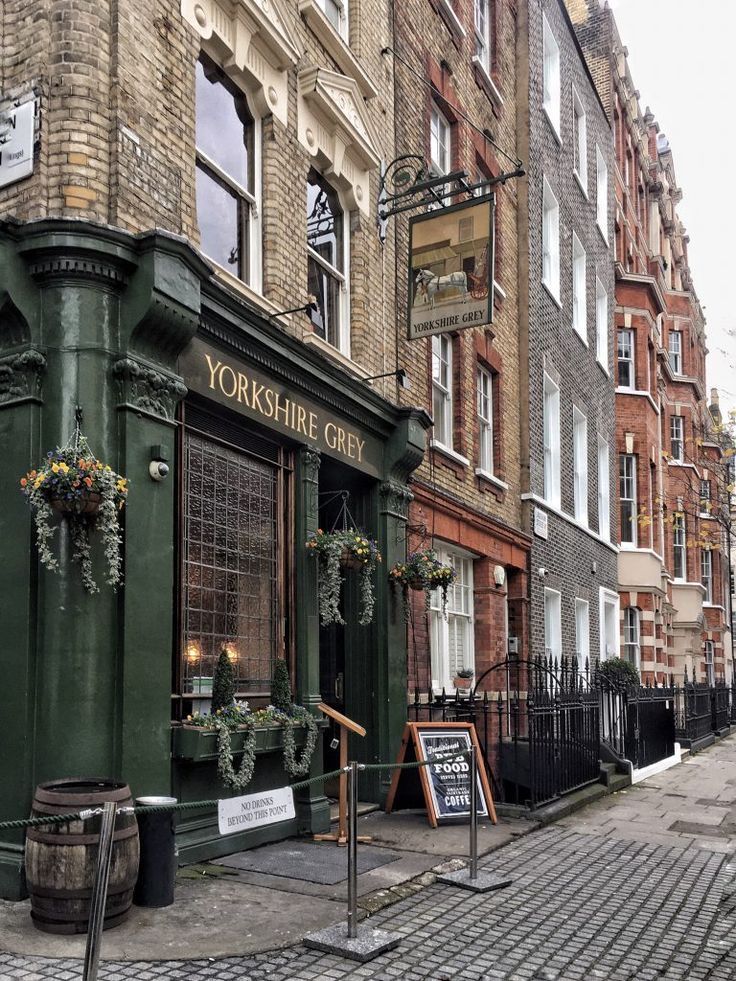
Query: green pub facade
{"points": [[262, 435]]}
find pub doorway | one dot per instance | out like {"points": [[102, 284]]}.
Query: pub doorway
{"points": [[344, 649]]}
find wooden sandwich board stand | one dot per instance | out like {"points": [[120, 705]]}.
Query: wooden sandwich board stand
{"points": [[443, 788], [346, 726]]}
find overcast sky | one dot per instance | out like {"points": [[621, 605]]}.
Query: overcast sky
{"points": [[683, 62]]}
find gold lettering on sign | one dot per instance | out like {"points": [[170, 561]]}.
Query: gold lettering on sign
{"points": [[287, 412]]}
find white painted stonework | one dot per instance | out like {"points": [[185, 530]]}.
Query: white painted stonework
{"points": [[252, 43], [335, 129]]}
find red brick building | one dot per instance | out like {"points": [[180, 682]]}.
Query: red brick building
{"points": [[455, 83], [673, 568]]}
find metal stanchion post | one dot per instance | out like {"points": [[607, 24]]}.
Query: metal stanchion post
{"points": [[473, 814], [99, 892], [353, 850]]}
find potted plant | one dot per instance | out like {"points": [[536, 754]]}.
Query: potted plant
{"points": [[88, 494], [423, 571], [238, 729], [337, 551], [463, 678]]}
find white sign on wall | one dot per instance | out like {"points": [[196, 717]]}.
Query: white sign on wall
{"points": [[16, 143], [541, 524], [254, 810]]}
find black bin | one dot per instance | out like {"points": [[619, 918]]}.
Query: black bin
{"points": [[157, 869]]}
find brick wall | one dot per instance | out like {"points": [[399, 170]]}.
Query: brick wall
{"points": [[576, 563]]}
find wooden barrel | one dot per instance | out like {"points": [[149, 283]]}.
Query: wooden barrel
{"points": [[61, 859]]}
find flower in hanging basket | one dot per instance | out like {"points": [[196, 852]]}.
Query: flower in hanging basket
{"points": [[72, 482], [338, 551], [423, 571]]}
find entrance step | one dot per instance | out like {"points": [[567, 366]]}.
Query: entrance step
{"points": [[364, 807]]}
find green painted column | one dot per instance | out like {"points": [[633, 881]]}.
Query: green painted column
{"points": [[313, 810], [78, 666]]}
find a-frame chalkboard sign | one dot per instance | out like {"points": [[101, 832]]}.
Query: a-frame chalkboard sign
{"points": [[442, 788]]}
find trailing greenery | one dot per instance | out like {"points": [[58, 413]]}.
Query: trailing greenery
{"points": [[88, 494], [281, 687], [238, 718], [223, 683], [332, 549], [423, 571], [618, 673]]}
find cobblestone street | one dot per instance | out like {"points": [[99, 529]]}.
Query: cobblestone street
{"points": [[638, 886]]}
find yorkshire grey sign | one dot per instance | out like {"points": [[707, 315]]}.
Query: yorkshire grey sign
{"points": [[16, 142], [451, 268]]}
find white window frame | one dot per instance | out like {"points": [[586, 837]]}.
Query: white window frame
{"points": [[705, 499], [483, 37], [709, 653], [550, 240], [580, 139], [341, 7], [582, 631], [601, 324], [628, 357], [610, 640], [604, 489], [674, 349], [343, 327], [601, 185], [440, 148], [460, 615], [484, 406], [551, 81], [628, 491], [706, 573], [679, 546], [579, 289], [632, 636], [677, 438], [254, 274], [553, 624], [580, 464], [551, 405], [442, 363]]}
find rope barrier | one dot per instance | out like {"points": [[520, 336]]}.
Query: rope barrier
{"points": [[85, 815]]}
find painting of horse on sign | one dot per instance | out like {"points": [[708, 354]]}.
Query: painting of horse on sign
{"points": [[451, 261]]}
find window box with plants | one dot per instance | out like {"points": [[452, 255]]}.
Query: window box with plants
{"points": [[235, 736]]}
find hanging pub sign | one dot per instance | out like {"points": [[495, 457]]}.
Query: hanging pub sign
{"points": [[443, 788], [451, 253]]}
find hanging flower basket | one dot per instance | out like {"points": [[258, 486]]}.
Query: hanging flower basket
{"points": [[338, 551], [423, 571], [88, 502], [88, 494]]}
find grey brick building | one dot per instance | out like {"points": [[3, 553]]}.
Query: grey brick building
{"points": [[566, 315]]}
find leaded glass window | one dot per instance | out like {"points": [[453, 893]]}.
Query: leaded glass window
{"points": [[230, 565]]}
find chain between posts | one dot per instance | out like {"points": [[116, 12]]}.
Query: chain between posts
{"points": [[87, 814]]}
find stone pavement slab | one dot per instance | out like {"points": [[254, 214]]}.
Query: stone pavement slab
{"points": [[593, 896], [309, 861]]}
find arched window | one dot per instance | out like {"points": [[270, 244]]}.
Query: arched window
{"points": [[226, 173], [632, 642]]}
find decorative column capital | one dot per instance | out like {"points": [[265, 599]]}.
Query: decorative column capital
{"points": [[396, 498], [146, 389], [310, 458], [21, 376]]}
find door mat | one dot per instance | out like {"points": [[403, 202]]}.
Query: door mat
{"points": [[310, 861]]}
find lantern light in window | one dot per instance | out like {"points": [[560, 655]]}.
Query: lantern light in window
{"points": [[192, 652], [231, 652]]}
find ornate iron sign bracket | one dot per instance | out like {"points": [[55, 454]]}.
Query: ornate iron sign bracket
{"points": [[408, 183]]}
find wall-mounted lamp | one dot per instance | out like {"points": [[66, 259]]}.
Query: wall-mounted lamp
{"points": [[400, 374], [499, 575], [542, 572]]}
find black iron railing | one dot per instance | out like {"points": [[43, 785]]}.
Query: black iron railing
{"points": [[541, 723], [693, 712], [720, 707]]}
